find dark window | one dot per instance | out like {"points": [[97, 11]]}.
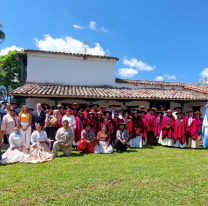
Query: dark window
{"points": [[196, 108], [158, 104]]}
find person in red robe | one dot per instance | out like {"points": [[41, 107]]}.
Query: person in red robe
{"points": [[99, 122], [136, 128], [167, 129], [158, 125], [198, 115], [179, 136], [115, 124], [150, 129], [154, 111], [92, 120], [191, 124], [95, 108], [144, 131], [107, 121], [80, 122], [87, 110], [62, 112]]}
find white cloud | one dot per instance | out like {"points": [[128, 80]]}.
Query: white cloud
{"points": [[92, 25], [204, 73], [127, 72], [169, 76], [159, 78], [67, 44], [103, 29], [138, 64], [7, 49], [77, 26]]}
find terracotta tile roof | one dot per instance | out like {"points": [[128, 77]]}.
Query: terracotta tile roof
{"points": [[65, 53], [41, 90], [190, 86]]}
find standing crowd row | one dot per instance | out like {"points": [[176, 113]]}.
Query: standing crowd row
{"points": [[37, 135]]}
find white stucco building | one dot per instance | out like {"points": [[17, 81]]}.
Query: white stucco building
{"points": [[55, 77]]}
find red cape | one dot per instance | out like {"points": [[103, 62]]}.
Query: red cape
{"points": [[193, 128], [137, 125], [145, 127], [179, 131], [108, 124], [168, 132], [150, 128], [79, 127], [157, 126]]}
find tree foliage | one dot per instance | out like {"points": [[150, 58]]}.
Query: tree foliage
{"points": [[10, 74], [2, 34]]}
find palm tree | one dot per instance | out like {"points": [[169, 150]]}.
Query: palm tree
{"points": [[2, 34]]}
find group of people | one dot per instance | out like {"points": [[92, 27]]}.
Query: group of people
{"points": [[36, 135]]}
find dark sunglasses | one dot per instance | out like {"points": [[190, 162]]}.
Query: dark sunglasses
{"points": [[12, 111]]}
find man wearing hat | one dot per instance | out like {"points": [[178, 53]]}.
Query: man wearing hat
{"points": [[87, 143], [87, 110], [198, 115], [75, 105], [142, 108], [179, 136], [80, 122], [113, 110], [115, 122], [95, 108], [135, 135], [192, 130], [103, 108], [177, 109], [150, 129], [16, 109], [64, 139], [162, 109], [168, 125], [122, 137], [45, 106], [158, 124]]}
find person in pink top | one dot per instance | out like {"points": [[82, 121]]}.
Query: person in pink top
{"points": [[191, 124], [87, 110]]}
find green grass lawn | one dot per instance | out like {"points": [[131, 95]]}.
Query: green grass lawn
{"points": [[148, 176]]}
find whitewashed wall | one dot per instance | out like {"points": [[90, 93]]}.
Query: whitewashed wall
{"points": [[69, 70]]}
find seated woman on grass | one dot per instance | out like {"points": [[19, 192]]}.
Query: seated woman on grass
{"points": [[87, 143], [103, 142], [39, 151], [122, 136], [17, 151]]}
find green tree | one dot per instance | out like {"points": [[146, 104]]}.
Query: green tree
{"points": [[10, 73], [2, 34]]}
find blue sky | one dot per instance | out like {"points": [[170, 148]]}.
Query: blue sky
{"points": [[154, 40]]}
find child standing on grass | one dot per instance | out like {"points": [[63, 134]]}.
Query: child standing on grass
{"points": [[122, 136]]}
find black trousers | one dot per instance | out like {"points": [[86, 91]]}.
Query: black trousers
{"points": [[120, 146], [51, 134], [6, 138]]}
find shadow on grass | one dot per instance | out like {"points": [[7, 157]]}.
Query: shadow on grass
{"points": [[71, 155]]}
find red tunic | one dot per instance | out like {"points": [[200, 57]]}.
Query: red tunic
{"points": [[157, 126], [108, 124], [150, 127], [192, 130], [79, 127], [179, 131], [168, 132], [144, 119], [137, 126], [128, 124], [85, 113]]}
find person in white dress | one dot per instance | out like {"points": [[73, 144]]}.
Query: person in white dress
{"points": [[17, 151], [39, 151], [70, 118], [103, 142]]}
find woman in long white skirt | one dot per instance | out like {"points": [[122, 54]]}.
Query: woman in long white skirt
{"points": [[103, 142], [17, 151]]}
